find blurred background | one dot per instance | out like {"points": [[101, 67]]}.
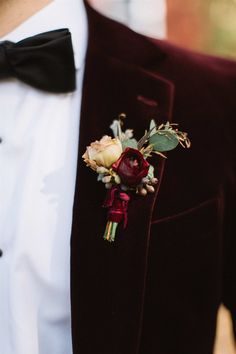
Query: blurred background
{"points": [[207, 26], [203, 25]]}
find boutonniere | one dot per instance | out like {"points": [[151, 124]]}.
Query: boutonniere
{"points": [[121, 164]]}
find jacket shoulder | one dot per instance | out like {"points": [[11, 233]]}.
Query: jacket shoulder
{"points": [[202, 62], [187, 68]]}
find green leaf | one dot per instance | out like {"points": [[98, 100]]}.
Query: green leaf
{"points": [[151, 172], [100, 176], [164, 141], [152, 127], [132, 143]]}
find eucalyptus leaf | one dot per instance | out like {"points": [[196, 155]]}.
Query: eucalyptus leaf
{"points": [[100, 177], [164, 141], [131, 143], [151, 172], [152, 127], [116, 128]]}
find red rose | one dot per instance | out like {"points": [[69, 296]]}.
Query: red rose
{"points": [[131, 167]]}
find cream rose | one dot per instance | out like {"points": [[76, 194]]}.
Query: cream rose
{"points": [[103, 153]]}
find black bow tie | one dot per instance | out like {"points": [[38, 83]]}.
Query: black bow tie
{"points": [[44, 61]]}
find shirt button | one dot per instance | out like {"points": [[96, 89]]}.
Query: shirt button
{"points": [[1, 253]]}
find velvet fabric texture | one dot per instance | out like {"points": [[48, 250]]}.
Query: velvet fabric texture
{"points": [[44, 61], [157, 289]]}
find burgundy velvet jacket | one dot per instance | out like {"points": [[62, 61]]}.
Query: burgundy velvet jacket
{"points": [[157, 289]]}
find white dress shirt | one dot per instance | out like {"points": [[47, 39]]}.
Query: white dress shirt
{"points": [[38, 158]]}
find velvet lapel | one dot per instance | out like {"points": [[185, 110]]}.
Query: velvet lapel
{"points": [[108, 280]]}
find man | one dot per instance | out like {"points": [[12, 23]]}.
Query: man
{"points": [[157, 289]]}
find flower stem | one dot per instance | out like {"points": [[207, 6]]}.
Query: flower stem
{"points": [[110, 231]]}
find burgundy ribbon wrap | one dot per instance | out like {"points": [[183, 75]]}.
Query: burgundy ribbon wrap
{"points": [[117, 203]]}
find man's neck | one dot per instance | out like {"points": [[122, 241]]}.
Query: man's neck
{"points": [[15, 12]]}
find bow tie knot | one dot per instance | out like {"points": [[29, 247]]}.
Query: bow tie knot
{"points": [[5, 67], [44, 61]]}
